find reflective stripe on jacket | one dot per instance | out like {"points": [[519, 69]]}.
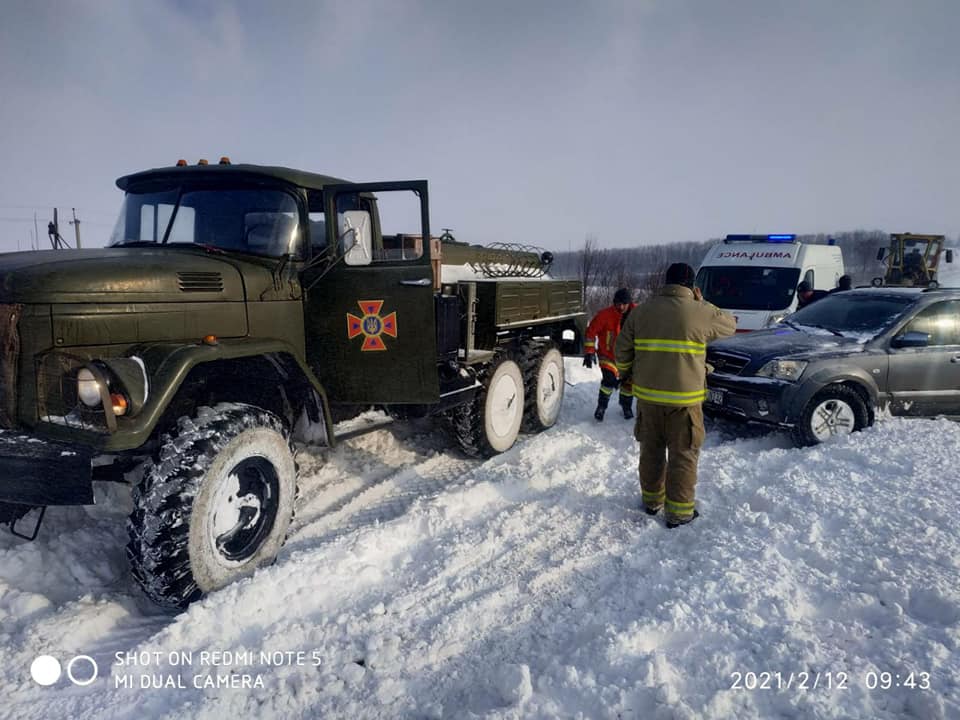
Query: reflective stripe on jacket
{"points": [[662, 346]]}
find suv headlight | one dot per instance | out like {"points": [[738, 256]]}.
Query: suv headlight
{"points": [[783, 369]]}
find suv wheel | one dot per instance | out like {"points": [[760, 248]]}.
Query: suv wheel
{"points": [[214, 505], [836, 410]]}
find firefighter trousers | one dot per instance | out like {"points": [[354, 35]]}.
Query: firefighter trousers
{"points": [[608, 384], [670, 440]]}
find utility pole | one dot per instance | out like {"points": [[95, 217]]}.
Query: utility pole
{"points": [[53, 232], [76, 226], [35, 245]]}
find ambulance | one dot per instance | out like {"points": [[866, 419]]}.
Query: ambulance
{"points": [[755, 277]]}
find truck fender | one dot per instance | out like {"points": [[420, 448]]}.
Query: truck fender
{"points": [[168, 366]]}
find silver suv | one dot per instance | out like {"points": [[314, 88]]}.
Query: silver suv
{"points": [[826, 369]]}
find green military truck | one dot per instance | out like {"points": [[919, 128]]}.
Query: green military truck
{"points": [[235, 310]]}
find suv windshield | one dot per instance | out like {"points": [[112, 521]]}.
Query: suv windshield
{"points": [[748, 288], [854, 313], [257, 221]]}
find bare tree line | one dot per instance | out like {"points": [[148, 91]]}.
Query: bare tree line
{"points": [[641, 268]]}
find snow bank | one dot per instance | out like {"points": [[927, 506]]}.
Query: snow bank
{"points": [[417, 583]]}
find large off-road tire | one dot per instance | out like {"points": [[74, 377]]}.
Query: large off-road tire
{"points": [[835, 410], [542, 366], [214, 504], [490, 423]]}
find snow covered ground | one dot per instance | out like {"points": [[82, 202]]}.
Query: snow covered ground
{"points": [[419, 584]]}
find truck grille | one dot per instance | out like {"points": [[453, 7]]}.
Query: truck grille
{"points": [[193, 281], [727, 363], [10, 350]]}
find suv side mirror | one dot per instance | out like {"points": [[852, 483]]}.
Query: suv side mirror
{"points": [[355, 237], [911, 339]]}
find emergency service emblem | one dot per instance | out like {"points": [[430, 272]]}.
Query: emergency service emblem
{"points": [[371, 325]]}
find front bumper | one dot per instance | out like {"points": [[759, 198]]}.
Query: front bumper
{"points": [[34, 471], [753, 399]]}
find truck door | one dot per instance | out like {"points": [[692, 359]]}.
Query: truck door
{"points": [[370, 327]]}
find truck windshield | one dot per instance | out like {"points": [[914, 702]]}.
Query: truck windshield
{"points": [[748, 288], [256, 221]]}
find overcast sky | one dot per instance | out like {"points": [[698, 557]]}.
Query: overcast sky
{"points": [[536, 122]]}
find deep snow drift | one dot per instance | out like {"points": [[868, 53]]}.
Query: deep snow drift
{"points": [[417, 583]]}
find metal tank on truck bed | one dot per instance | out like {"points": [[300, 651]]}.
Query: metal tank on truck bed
{"points": [[755, 277], [236, 307]]}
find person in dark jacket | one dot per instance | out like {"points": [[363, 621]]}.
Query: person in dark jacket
{"points": [[844, 283], [662, 351], [806, 294], [603, 329]]}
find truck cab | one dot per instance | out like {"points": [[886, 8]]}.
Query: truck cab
{"points": [[238, 308], [755, 277]]}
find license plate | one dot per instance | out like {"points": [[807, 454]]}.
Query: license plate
{"points": [[715, 397]]}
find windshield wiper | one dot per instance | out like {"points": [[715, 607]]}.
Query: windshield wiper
{"points": [[203, 246], [823, 327]]}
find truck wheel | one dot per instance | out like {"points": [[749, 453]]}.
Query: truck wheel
{"points": [[835, 410], [542, 366], [490, 423], [214, 505]]}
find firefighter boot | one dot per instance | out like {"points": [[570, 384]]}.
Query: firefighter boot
{"points": [[672, 525], [603, 399], [626, 404]]}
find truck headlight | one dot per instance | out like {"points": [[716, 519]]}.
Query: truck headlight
{"points": [[88, 388], [783, 369]]}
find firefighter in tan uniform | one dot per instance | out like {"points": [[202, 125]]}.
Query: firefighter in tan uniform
{"points": [[662, 351]]}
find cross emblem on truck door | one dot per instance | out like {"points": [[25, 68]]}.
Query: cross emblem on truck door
{"points": [[371, 325]]}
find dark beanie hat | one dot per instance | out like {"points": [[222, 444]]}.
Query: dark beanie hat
{"points": [[804, 287], [621, 296], [680, 274]]}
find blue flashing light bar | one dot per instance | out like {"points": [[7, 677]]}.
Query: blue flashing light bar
{"points": [[781, 238]]}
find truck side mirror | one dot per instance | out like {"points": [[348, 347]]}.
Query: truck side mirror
{"points": [[880, 253], [911, 339], [949, 256], [355, 237]]}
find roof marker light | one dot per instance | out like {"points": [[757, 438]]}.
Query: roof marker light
{"points": [[202, 161], [181, 163], [224, 160]]}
